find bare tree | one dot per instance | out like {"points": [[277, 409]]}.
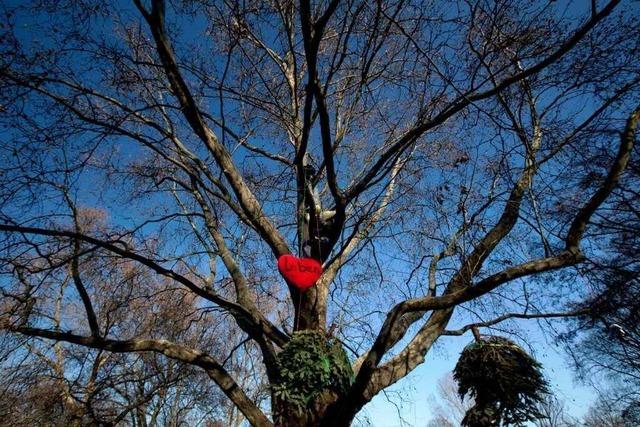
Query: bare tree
{"points": [[605, 345], [431, 155], [71, 385], [554, 414], [448, 408], [606, 412]]}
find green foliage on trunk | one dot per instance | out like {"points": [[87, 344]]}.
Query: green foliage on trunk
{"points": [[309, 365]]}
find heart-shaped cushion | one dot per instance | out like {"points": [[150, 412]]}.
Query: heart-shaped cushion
{"points": [[300, 272]]}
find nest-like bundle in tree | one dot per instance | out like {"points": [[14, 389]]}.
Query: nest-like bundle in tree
{"points": [[310, 364], [505, 382]]}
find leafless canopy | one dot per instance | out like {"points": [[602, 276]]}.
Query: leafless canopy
{"points": [[431, 154]]}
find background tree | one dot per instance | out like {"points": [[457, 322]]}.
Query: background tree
{"points": [[44, 381], [554, 414], [435, 157], [608, 340], [447, 407], [606, 412]]}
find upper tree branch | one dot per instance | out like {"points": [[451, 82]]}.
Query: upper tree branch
{"points": [[468, 98], [243, 295], [77, 280], [627, 139], [312, 33], [180, 89]]}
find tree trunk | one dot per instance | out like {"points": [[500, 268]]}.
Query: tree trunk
{"points": [[288, 415], [482, 414], [310, 307]]}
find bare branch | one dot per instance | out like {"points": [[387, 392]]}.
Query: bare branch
{"points": [[183, 354], [242, 315], [507, 316], [466, 99], [247, 199]]}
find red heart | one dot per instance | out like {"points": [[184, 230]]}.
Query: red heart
{"points": [[300, 272]]}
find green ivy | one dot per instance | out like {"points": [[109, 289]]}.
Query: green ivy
{"points": [[506, 383], [310, 364]]}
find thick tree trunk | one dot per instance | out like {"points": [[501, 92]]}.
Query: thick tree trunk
{"points": [[287, 415], [311, 305], [310, 309]]}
